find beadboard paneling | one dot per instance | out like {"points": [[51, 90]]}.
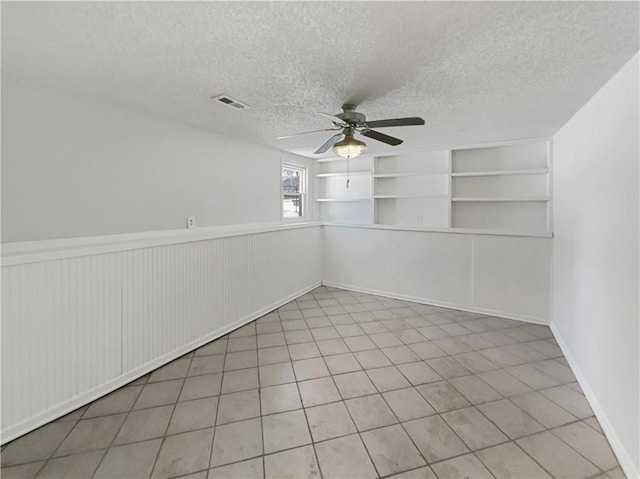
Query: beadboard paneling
{"points": [[76, 328], [506, 276]]}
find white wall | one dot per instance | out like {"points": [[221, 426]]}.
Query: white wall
{"points": [[73, 167], [595, 257], [500, 275]]}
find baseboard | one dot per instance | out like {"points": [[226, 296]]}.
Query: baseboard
{"points": [[631, 470], [442, 304], [86, 397]]}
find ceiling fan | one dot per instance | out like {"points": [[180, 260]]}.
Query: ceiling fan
{"points": [[350, 122]]}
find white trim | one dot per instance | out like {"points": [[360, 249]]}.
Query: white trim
{"points": [[441, 230], [47, 250], [443, 304], [624, 458], [74, 403]]}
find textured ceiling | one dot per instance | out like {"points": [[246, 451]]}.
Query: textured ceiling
{"points": [[476, 71]]}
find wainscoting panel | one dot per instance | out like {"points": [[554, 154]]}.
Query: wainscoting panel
{"points": [[76, 328], [506, 276]]}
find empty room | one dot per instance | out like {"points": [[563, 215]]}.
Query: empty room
{"points": [[320, 240]]}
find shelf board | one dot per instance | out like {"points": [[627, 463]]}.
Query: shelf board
{"points": [[326, 200], [503, 199], [385, 197], [538, 171], [351, 173], [412, 173]]}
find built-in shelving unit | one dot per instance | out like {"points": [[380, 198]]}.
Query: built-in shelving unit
{"points": [[497, 188]]}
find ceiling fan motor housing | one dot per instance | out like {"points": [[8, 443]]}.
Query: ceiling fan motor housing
{"points": [[350, 115]]}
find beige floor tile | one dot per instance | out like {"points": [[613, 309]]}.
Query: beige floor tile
{"points": [[505, 383], [400, 354], [144, 425], [239, 380], [292, 464], [385, 340], [246, 330], [532, 377], [285, 430], [319, 322], [283, 397], [420, 473], [418, 373], [130, 461], [219, 346], [475, 390], [442, 396], [369, 412], [192, 415], [508, 461], [327, 332], [270, 340], [588, 442], [91, 434], [77, 466], [36, 445], [24, 471], [239, 360], [555, 369], [237, 441], [512, 420], [245, 343], [354, 384], [297, 337], [372, 359], [278, 354], [342, 363], [427, 350], [197, 387], [391, 450], [318, 391], [274, 374], [373, 327], [387, 379], [206, 365], [408, 404], [500, 357], [556, 457], [294, 324], [433, 332], [594, 424], [177, 369], [121, 400], [332, 346], [340, 319], [448, 367], [251, 469], [310, 369], [452, 345], [238, 406], [462, 466], [475, 362], [271, 327], [329, 421], [159, 394], [349, 330], [543, 410], [434, 438], [473, 428], [77, 414], [410, 336], [303, 351], [570, 400], [344, 457]]}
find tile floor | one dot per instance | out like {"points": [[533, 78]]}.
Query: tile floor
{"points": [[339, 385]]}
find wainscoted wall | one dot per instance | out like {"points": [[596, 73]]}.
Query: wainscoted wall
{"points": [[79, 321], [507, 276]]}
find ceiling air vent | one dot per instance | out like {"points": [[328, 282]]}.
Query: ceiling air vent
{"points": [[227, 100]]}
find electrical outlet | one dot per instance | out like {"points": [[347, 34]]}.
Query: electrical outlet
{"points": [[191, 222]]}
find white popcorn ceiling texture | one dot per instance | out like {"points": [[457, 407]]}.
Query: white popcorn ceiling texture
{"points": [[476, 71]]}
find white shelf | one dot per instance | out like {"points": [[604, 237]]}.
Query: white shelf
{"points": [[415, 173], [536, 171], [351, 173], [496, 199], [384, 197], [326, 200]]}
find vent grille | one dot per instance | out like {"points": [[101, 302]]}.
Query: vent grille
{"points": [[227, 100]]}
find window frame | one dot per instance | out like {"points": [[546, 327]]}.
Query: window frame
{"points": [[304, 178]]}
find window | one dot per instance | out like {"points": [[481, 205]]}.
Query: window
{"points": [[293, 191]]}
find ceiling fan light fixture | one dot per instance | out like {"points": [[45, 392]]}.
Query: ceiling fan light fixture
{"points": [[349, 147]]}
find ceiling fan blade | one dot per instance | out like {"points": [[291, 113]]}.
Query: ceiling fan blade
{"points": [[306, 133], [329, 143], [333, 118], [395, 122], [376, 135]]}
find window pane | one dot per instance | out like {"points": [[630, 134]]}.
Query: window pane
{"points": [[292, 205], [291, 180]]}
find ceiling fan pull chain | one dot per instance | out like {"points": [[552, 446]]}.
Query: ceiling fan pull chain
{"points": [[348, 172]]}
